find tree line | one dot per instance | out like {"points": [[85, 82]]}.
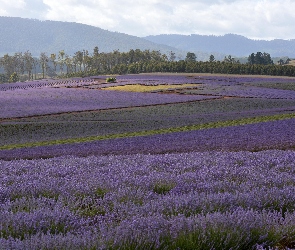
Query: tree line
{"points": [[23, 66]]}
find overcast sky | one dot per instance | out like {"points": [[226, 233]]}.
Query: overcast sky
{"points": [[257, 19]]}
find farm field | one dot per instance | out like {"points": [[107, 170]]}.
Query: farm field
{"points": [[151, 161]]}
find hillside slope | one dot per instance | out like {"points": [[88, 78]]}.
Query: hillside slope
{"points": [[21, 34]]}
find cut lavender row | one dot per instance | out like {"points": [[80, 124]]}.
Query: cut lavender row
{"points": [[117, 121], [252, 137], [217, 200]]}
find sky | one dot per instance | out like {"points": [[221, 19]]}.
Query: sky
{"points": [[255, 19]]}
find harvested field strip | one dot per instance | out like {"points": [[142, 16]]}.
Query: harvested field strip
{"points": [[149, 88], [219, 124]]}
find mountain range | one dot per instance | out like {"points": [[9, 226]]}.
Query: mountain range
{"points": [[36, 36], [229, 44]]}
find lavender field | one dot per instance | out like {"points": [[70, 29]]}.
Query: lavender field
{"points": [[209, 200], [57, 96], [204, 166]]}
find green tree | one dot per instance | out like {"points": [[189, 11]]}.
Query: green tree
{"points": [[288, 61], [53, 60], [78, 58], [35, 65], [95, 58], [260, 58], [172, 56], [8, 64], [3, 78], [267, 59], [251, 59], [191, 57], [61, 60], [230, 59], [18, 61], [43, 62], [211, 58], [69, 64], [28, 63], [86, 60], [281, 62]]}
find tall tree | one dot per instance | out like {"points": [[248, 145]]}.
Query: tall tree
{"points": [[172, 56], [8, 64], [53, 60], [35, 65], [251, 59], [95, 58], [44, 63], [29, 63], [86, 60], [61, 61], [69, 64], [260, 58], [78, 58], [281, 62], [267, 59], [19, 63], [155, 55], [190, 57], [230, 59], [211, 58]]}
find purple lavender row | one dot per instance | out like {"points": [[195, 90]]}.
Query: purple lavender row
{"points": [[55, 130], [243, 91], [252, 137], [20, 103], [218, 85], [73, 82], [143, 78], [156, 79], [161, 200], [174, 78]]}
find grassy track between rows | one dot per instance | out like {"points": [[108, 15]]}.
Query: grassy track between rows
{"points": [[210, 125], [149, 88]]}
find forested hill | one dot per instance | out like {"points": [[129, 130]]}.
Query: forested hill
{"points": [[229, 44], [22, 34]]}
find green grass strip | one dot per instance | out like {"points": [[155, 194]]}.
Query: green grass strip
{"points": [[210, 125], [149, 88]]}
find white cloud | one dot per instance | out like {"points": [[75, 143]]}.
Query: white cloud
{"points": [[23, 8], [261, 19], [7, 7]]}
